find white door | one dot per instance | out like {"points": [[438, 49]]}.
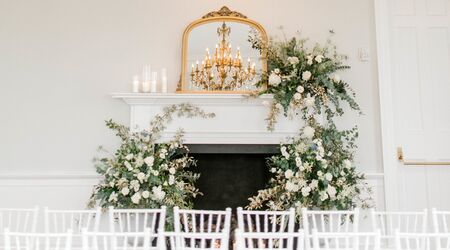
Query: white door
{"points": [[414, 63]]}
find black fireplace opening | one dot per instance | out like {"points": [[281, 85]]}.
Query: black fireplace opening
{"points": [[230, 174]]}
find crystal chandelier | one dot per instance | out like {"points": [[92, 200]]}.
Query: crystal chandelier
{"points": [[222, 71]]}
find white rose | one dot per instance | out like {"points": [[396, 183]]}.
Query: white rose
{"points": [[162, 155], [149, 161], [323, 195], [300, 89], [305, 191], [308, 132], [158, 194], [129, 156], [274, 79], [172, 170], [141, 177], [319, 58], [306, 75], [288, 174], [145, 194], [291, 187], [336, 78], [314, 184], [297, 96], [331, 191], [136, 198], [347, 163], [134, 184], [171, 179], [113, 197], [284, 152], [128, 165], [298, 162], [319, 173], [125, 191], [309, 101], [293, 60], [328, 176]]}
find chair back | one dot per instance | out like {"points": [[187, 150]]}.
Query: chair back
{"points": [[440, 220], [121, 241], [197, 241], [37, 241], [136, 220], [345, 241], [268, 240], [266, 221], [18, 220], [59, 221], [421, 241]]}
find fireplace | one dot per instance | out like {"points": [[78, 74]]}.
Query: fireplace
{"points": [[230, 174]]}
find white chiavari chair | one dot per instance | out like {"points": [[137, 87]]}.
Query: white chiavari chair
{"points": [[345, 241], [266, 221], [197, 241], [202, 221], [440, 220], [120, 241], [37, 241], [405, 222], [17, 220], [136, 220], [268, 240], [421, 241], [329, 221]]}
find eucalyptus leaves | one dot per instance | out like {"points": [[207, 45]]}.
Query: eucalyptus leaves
{"points": [[144, 173]]}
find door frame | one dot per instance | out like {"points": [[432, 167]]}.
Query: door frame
{"points": [[390, 162]]}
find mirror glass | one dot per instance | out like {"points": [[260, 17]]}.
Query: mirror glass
{"points": [[219, 57]]}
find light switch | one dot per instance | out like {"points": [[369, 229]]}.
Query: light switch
{"points": [[364, 54]]}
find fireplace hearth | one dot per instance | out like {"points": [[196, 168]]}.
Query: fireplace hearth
{"points": [[230, 174]]}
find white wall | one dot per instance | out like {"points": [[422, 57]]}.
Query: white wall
{"points": [[59, 60]]}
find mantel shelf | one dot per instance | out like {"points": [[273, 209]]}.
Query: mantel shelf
{"points": [[199, 99]]}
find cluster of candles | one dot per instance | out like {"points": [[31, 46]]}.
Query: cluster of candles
{"points": [[149, 82]]}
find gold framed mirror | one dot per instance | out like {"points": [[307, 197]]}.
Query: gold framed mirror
{"points": [[217, 56]]}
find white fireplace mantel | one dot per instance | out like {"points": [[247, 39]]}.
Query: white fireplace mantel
{"points": [[239, 119]]}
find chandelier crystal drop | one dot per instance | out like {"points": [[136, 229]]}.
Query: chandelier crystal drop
{"points": [[222, 71]]}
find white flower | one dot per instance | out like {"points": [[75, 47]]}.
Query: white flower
{"points": [[309, 101], [323, 195], [319, 173], [158, 194], [300, 89], [291, 187], [162, 155], [293, 60], [336, 78], [328, 176], [309, 60], [128, 165], [288, 174], [347, 163], [314, 184], [129, 157], [298, 162], [273, 170], [274, 79], [306, 75], [134, 184], [171, 179], [284, 152], [297, 96], [145, 194], [155, 172], [149, 161], [113, 197], [308, 132], [125, 191], [277, 71], [172, 170], [305, 191], [319, 58], [139, 161], [136, 198], [141, 177], [331, 191]]}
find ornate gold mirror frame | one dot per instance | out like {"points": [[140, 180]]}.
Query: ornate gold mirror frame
{"points": [[222, 15]]}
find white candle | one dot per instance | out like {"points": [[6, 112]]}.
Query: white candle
{"points": [[146, 86], [164, 80], [146, 73], [135, 84], [154, 81]]}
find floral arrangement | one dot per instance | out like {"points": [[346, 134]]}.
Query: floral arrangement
{"points": [[303, 80], [144, 173], [315, 171]]}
